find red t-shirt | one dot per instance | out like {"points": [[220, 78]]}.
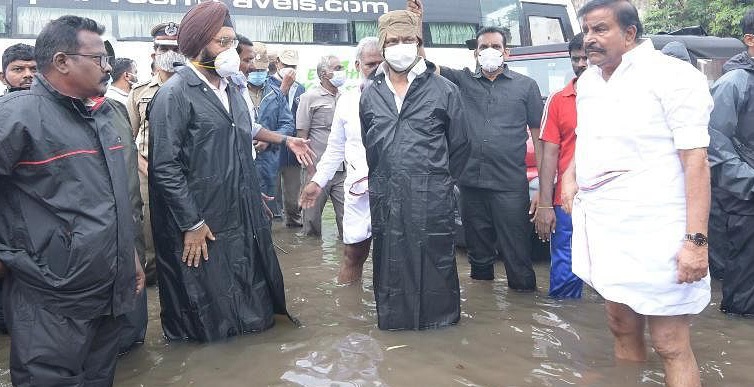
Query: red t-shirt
{"points": [[559, 127]]}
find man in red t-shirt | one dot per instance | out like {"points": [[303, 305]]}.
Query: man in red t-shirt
{"points": [[559, 140]]}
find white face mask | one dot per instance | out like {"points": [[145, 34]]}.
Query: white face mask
{"points": [[338, 78], [227, 63], [401, 56], [490, 59], [285, 71]]}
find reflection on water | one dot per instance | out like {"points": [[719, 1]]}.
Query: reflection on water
{"points": [[503, 339]]}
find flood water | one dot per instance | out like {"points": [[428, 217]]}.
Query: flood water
{"points": [[504, 338]]}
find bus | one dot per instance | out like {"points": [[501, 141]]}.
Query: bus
{"points": [[313, 27]]}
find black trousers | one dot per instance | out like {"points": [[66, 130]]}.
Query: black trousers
{"points": [[133, 325], [51, 350], [496, 223], [738, 280]]}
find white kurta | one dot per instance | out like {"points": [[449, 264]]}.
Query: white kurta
{"points": [[344, 143], [629, 216]]}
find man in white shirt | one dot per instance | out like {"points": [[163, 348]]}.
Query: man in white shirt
{"points": [[344, 144], [640, 215], [123, 76]]}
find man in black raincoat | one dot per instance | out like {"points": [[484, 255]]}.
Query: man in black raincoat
{"points": [[66, 226], [414, 132], [216, 265], [731, 155]]}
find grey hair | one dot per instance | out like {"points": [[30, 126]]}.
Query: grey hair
{"points": [[367, 43], [324, 63]]}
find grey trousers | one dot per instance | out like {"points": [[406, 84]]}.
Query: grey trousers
{"points": [[289, 182], [312, 217]]}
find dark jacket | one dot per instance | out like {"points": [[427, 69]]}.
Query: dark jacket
{"points": [[413, 156], [201, 167], [66, 226], [273, 114], [287, 158], [731, 131]]}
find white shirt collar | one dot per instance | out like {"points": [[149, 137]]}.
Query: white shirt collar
{"points": [[220, 92]]}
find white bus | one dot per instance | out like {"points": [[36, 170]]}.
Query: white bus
{"points": [[314, 27]]}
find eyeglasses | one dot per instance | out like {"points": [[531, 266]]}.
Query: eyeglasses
{"points": [[104, 60], [226, 42]]}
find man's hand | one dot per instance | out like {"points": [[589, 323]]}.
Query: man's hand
{"points": [[260, 146], [300, 148], [544, 223], [568, 191], [533, 204], [287, 82], [195, 245], [415, 6], [143, 165], [267, 210], [141, 278], [309, 195], [692, 262]]}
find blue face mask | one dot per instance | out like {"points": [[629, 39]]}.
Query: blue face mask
{"points": [[257, 78]]}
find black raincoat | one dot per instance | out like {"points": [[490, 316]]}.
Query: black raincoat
{"points": [[731, 155], [201, 168], [133, 325], [66, 226], [413, 157]]}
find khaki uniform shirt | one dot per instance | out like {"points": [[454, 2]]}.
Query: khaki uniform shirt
{"points": [[314, 118], [137, 112]]}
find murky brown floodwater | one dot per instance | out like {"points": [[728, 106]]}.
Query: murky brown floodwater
{"points": [[504, 339]]}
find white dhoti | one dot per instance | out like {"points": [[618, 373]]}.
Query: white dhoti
{"points": [[357, 218], [626, 234]]}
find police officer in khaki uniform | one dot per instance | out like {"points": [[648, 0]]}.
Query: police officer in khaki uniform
{"points": [[166, 59]]}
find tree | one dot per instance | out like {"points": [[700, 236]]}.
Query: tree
{"points": [[717, 17]]}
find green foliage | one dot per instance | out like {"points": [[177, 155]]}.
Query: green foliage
{"points": [[718, 17]]}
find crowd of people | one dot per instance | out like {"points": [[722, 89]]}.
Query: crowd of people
{"points": [[108, 184]]}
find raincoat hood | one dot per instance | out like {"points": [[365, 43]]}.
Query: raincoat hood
{"points": [[742, 61]]}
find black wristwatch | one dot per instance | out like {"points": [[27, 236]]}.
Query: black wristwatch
{"points": [[698, 239]]}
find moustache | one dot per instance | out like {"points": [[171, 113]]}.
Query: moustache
{"points": [[105, 79], [592, 48]]}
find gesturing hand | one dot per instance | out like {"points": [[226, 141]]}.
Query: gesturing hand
{"points": [[309, 195], [195, 245], [300, 148]]}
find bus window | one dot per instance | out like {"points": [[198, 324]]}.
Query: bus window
{"points": [[30, 20], [134, 25], [450, 33], [545, 30], [551, 74], [292, 30], [504, 14], [362, 29], [4, 22]]}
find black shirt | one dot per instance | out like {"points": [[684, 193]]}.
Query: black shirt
{"points": [[498, 114]]}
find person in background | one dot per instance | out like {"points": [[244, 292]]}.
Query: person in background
{"points": [[289, 176], [219, 275], [345, 144], [270, 111], [313, 121], [66, 226], [19, 67], [415, 135], [167, 60], [731, 155], [642, 183], [558, 142], [123, 78], [495, 204]]}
